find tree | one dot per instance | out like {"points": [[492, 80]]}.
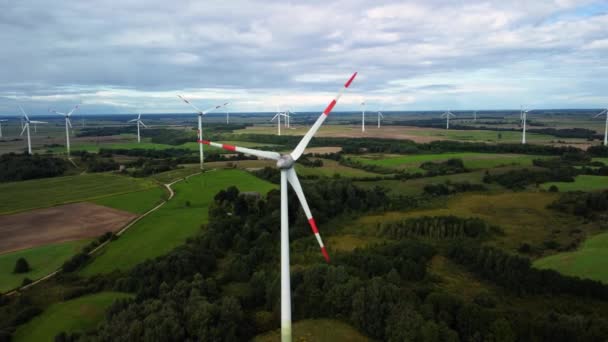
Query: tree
{"points": [[21, 266], [501, 331]]}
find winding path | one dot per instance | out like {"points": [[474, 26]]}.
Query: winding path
{"points": [[129, 225]]}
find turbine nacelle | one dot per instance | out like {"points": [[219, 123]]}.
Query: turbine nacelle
{"points": [[285, 162]]}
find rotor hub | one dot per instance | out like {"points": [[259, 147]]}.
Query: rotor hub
{"points": [[285, 162]]}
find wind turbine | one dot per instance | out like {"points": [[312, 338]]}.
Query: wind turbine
{"points": [[475, 116], [288, 174], [200, 123], [227, 116], [363, 117], [139, 122], [68, 123], [1, 121], [523, 117], [26, 126], [380, 116], [447, 115], [604, 112], [288, 113], [278, 117]]}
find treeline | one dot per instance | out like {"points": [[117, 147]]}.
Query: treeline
{"points": [[517, 274], [448, 167], [437, 227], [18, 167], [449, 188], [520, 179], [95, 162], [592, 205]]}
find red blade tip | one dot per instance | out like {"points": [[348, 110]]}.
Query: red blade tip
{"points": [[350, 80]]}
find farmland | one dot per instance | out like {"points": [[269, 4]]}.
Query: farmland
{"points": [[581, 183], [40, 193], [79, 314], [43, 260], [589, 261], [169, 226]]}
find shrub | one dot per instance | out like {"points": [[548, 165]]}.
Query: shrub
{"points": [[21, 266]]}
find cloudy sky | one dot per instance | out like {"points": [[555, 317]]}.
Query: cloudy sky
{"points": [[120, 56]]}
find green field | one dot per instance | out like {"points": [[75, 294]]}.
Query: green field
{"points": [[40, 193], [135, 202], [332, 167], [169, 226], [602, 160], [472, 160], [318, 330], [581, 183], [589, 261], [485, 135], [173, 175], [42, 260], [80, 314]]}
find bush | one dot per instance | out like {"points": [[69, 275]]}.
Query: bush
{"points": [[553, 188], [21, 266]]}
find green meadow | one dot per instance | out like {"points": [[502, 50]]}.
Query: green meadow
{"points": [[331, 168], [581, 183], [168, 227], [46, 192], [80, 314], [484, 135], [42, 260], [135, 202], [472, 160], [589, 261]]}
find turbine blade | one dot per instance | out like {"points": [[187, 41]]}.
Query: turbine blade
{"points": [[292, 178], [601, 113], [274, 117], [132, 120], [297, 152], [69, 122], [73, 110], [23, 130], [25, 115], [191, 105], [257, 153], [38, 122], [142, 123]]}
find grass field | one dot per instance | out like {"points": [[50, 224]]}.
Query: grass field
{"points": [[80, 314], [332, 167], [471, 160], [135, 202], [42, 260], [173, 175], [602, 160], [169, 226], [523, 216], [587, 262], [581, 183], [40, 193], [318, 330]]}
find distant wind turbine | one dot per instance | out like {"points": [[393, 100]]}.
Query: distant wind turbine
{"points": [[278, 118], [200, 123], [524, 118], [1, 121], [68, 125], [605, 112], [139, 122], [380, 116], [475, 116], [447, 115], [363, 116], [26, 127], [227, 115]]}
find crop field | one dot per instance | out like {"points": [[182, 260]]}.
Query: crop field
{"points": [[42, 260], [137, 202], [321, 330], [471, 160], [523, 216], [589, 261], [332, 167], [40, 193], [177, 220], [581, 183], [80, 314]]}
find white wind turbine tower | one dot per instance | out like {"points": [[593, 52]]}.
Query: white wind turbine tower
{"points": [[380, 116], [139, 122], [227, 115], [288, 174], [68, 125], [447, 115], [26, 126], [524, 118], [604, 112], [277, 116], [475, 116], [363, 116], [288, 113], [1, 121], [200, 124]]}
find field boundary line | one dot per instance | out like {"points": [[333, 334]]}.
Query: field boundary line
{"points": [[167, 186]]}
